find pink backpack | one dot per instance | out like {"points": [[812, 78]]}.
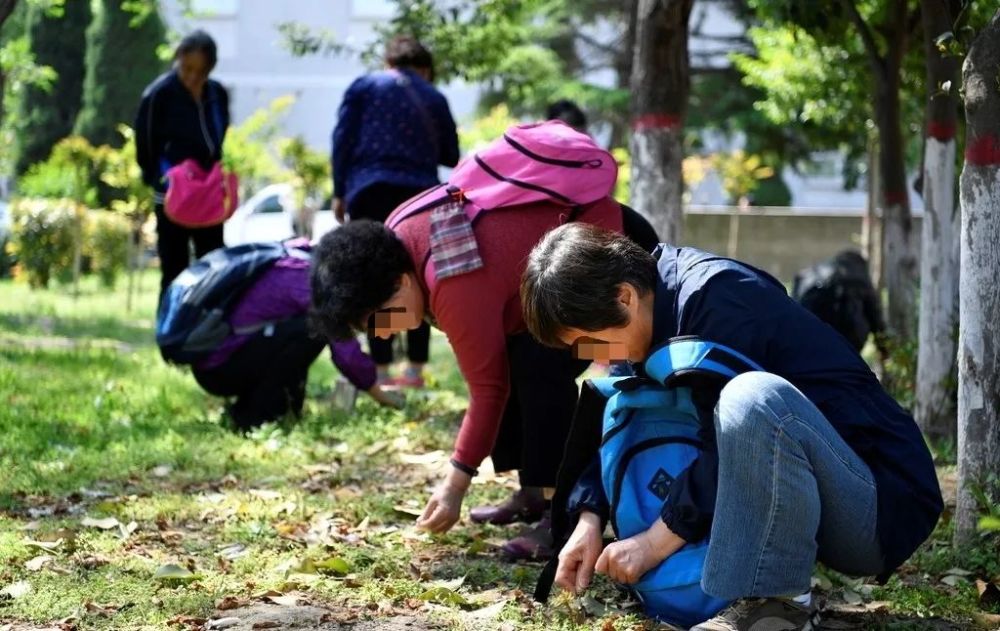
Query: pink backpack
{"points": [[197, 198], [530, 163], [541, 162]]}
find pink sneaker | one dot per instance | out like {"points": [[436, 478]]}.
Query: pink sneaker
{"points": [[407, 381]]}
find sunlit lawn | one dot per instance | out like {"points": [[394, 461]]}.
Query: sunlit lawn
{"points": [[114, 465]]}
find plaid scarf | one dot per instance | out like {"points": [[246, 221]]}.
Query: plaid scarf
{"points": [[453, 244]]}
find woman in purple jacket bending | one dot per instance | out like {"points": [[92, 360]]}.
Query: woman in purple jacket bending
{"points": [[266, 371]]}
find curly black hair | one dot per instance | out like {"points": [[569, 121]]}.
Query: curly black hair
{"points": [[355, 270]]}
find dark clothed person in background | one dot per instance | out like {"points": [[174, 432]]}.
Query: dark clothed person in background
{"points": [[393, 130], [840, 292], [183, 115]]}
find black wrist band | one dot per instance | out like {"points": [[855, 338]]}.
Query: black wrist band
{"points": [[464, 468]]}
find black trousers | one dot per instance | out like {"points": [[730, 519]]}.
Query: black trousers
{"points": [[539, 412], [267, 375], [173, 245], [376, 203]]}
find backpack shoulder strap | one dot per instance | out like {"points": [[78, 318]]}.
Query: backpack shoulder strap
{"points": [[582, 446], [428, 200], [686, 355]]}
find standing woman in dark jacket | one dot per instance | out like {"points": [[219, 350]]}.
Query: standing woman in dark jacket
{"points": [[183, 115]]}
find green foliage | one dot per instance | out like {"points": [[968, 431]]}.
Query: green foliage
{"points": [[7, 258], [821, 90], [107, 246], [312, 182], [741, 173], [49, 180], [623, 185], [250, 147], [72, 171], [44, 233], [901, 371], [120, 172], [20, 72], [485, 129], [816, 80], [43, 238], [121, 59], [47, 113]]}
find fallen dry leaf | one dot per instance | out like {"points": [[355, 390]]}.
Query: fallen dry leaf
{"points": [[229, 602], [125, 530], [99, 609], [407, 512], [284, 601], [16, 590], [265, 494], [38, 562], [161, 471], [104, 524]]}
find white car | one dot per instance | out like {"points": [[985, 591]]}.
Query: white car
{"points": [[5, 219], [270, 216]]}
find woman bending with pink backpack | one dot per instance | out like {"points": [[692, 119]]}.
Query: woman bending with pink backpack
{"points": [[179, 132], [454, 255]]}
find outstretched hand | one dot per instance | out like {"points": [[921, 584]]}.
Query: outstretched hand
{"points": [[578, 557], [626, 561], [389, 398], [445, 505]]}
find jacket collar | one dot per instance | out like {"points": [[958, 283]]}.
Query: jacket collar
{"points": [[665, 298]]}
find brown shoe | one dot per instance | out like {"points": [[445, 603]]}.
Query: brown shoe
{"points": [[769, 614], [526, 506]]}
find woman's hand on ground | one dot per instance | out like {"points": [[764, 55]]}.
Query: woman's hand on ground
{"points": [[579, 555], [626, 561], [390, 398], [445, 505]]}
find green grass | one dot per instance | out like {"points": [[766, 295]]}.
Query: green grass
{"points": [[94, 425]]}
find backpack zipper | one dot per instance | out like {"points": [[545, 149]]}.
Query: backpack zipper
{"points": [[573, 164], [627, 457], [617, 428]]}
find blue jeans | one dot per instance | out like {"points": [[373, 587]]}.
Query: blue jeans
{"points": [[790, 491]]}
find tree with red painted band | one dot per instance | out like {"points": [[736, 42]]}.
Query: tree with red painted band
{"points": [[895, 25], [936, 360], [660, 86], [979, 290]]}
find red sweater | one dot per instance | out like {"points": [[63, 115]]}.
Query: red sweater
{"points": [[478, 310]]}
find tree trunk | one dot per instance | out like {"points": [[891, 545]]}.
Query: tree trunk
{"points": [[623, 74], [660, 85], [979, 291], [898, 249], [871, 230], [936, 359]]}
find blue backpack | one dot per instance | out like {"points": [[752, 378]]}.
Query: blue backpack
{"points": [[192, 319], [649, 436]]}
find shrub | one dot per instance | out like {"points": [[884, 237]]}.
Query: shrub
{"points": [[7, 260], [107, 245], [42, 238]]}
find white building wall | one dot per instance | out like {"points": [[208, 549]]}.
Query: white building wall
{"points": [[256, 68]]}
